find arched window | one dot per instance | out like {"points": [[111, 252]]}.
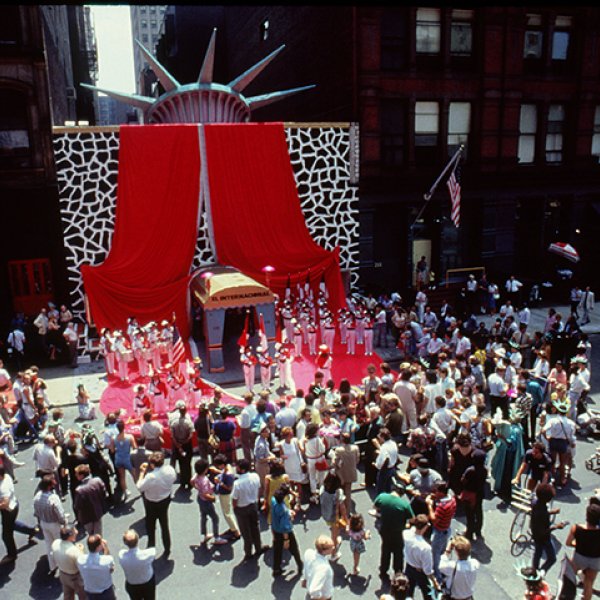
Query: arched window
{"points": [[14, 130]]}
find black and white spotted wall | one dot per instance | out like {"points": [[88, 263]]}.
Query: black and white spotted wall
{"points": [[87, 166]]}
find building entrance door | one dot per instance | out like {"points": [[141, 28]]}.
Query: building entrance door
{"points": [[421, 248], [30, 284]]}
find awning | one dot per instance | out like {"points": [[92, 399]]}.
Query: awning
{"points": [[226, 287]]}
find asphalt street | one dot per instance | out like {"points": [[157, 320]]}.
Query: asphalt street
{"points": [[219, 571]]}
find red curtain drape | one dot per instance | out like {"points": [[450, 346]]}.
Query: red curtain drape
{"points": [[147, 270], [256, 214]]}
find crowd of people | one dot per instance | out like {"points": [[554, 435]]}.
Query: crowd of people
{"points": [[467, 406]]}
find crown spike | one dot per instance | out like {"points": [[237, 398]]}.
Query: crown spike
{"points": [[259, 101], [248, 76], [166, 79], [142, 102], [206, 72]]}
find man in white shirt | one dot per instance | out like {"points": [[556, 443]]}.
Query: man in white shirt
{"points": [[524, 315], [66, 552], [72, 339], [244, 498], [386, 461], [16, 346], [245, 421], [41, 322], [137, 564], [587, 304], [317, 572], [460, 574], [498, 388], [463, 346], [418, 557], [96, 569], [155, 483], [513, 287], [380, 327], [47, 456]]}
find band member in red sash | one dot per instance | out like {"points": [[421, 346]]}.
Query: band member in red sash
{"points": [[248, 361], [159, 393], [141, 401]]}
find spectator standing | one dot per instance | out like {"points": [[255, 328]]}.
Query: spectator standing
{"points": [[41, 323], [90, 500], [333, 509], [122, 445], [152, 432], [48, 510], [9, 507], [442, 507], [96, 570], [155, 484], [182, 430], [317, 572], [65, 552], [386, 461], [541, 529], [244, 497], [206, 502], [345, 461], [224, 429], [16, 347], [394, 512], [246, 418], [224, 479], [587, 304], [72, 339], [282, 528], [140, 582], [460, 574], [419, 558]]}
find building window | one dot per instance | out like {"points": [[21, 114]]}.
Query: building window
{"points": [[393, 39], [153, 10], [392, 114], [142, 10], [459, 126], [554, 137], [144, 38], [144, 24], [596, 136], [427, 125], [461, 32], [428, 32], [560, 38], [264, 30], [14, 130], [527, 131], [533, 37], [10, 26]]}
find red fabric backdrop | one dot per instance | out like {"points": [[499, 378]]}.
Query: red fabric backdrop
{"points": [[147, 270], [256, 214]]}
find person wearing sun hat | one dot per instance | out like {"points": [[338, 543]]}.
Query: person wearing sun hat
{"points": [[559, 430]]}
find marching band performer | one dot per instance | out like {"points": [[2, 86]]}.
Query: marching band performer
{"points": [[284, 362], [287, 315], [324, 362], [360, 325], [159, 392], [138, 345], [351, 334], [323, 314], [329, 331], [124, 355], [266, 364], [175, 385], [248, 361], [107, 350], [153, 340], [304, 318], [297, 338], [342, 320], [166, 340], [132, 326], [141, 401], [312, 338], [369, 323]]}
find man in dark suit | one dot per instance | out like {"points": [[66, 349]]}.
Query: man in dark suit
{"points": [[90, 500]]}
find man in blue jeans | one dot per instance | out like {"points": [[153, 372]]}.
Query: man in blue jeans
{"points": [[441, 505]]}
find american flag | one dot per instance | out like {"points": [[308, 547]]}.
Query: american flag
{"points": [[453, 184], [178, 346]]}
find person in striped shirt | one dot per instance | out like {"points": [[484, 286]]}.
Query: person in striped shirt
{"points": [[441, 505]]}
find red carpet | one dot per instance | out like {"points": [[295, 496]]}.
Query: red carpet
{"points": [[344, 366]]}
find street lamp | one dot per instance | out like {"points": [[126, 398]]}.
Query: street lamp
{"points": [[267, 270]]}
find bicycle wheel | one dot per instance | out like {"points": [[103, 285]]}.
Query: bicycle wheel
{"points": [[518, 527]]}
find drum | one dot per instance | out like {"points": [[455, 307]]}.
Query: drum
{"points": [[126, 355]]}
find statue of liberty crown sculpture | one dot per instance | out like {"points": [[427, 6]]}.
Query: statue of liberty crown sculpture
{"points": [[202, 101]]}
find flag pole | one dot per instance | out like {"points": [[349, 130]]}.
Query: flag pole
{"points": [[427, 196]]}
